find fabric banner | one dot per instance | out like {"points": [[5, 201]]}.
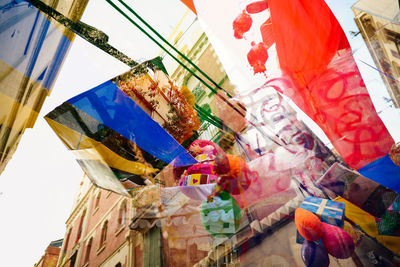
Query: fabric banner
{"points": [[302, 42], [119, 146]]}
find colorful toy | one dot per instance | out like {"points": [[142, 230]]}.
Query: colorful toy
{"points": [[239, 177], [314, 255], [337, 242], [201, 168], [204, 147], [221, 215], [204, 152], [197, 179], [308, 224], [327, 210]]}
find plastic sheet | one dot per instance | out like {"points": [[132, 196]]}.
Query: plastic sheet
{"points": [[321, 75]]}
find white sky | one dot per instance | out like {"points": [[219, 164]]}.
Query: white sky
{"points": [[38, 186]]}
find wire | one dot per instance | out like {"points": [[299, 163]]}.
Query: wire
{"points": [[170, 45], [158, 43], [272, 138], [387, 75], [173, 48]]}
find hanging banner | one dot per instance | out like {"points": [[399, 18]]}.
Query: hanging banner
{"points": [[119, 145], [303, 42]]}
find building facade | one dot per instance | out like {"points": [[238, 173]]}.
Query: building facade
{"points": [[33, 48], [97, 231], [50, 257], [379, 24]]}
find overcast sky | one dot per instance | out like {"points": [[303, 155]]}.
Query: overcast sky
{"points": [[38, 185]]}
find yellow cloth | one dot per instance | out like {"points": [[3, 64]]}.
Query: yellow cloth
{"points": [[367, 222], [90, 149]]}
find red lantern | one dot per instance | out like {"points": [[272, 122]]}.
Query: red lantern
{"points": [[257, 7], [258, 56], [242, 24]]}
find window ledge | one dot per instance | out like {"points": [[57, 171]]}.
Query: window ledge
{"points": [[75, 248], [120, 229], [101, 249], [108, 194], [95, 210], [86, 264]]}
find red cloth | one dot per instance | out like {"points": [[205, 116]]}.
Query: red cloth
{"points": [[190, 5], [314, 52]]}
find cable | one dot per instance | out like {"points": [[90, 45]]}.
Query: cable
{"points": [[387, 75], [171, 46], [156, 42], [273, 139]]}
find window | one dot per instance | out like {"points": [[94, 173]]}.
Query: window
{"points": [[118, 264], [88, 249], [72, 260], [67, 240], [103, 236], [122, 214], [97, 202], [78, 236]]}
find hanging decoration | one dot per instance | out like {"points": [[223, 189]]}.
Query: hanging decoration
{"points": [[337, 242], [221, 215], [242, 24], [117, 143], [314, 255], [312, 53], [359, 190], [257, 57], [334, 239], [160, 96]]}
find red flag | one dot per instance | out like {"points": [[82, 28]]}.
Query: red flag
{"points": [[313, 50]]}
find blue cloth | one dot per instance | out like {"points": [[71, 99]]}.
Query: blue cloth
{"points": [[109, 105], [383, 171], [30, 43]]}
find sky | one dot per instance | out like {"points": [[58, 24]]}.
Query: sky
{"points": [[39, 184]]}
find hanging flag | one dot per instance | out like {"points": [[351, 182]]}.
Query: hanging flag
{"points": [[118, 144], [190, 5], [311, 51]]}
